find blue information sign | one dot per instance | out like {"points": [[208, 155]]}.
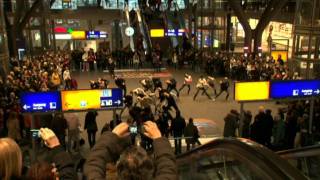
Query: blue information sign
{"points": [[113, 101], [40, 101], [92, 34], [294, 89]]}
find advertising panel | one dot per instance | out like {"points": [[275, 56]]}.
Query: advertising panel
{"points": [[157, 32], [97, 99], [251, 91]]}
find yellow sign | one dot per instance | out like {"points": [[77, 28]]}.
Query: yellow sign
{"points": [[157, 32], [251, 91], [83, 99], [78, 35], [284, 55]]}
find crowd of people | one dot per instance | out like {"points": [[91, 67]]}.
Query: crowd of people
{"points": [[151, 109], [285, 129]]}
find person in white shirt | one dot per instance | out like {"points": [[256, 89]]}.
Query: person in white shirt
{"points": [[202, 85], [186, 83]]}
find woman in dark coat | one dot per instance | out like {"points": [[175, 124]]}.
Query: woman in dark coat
{"points": [[91, 127]]}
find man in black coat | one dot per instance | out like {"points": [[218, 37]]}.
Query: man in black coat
{"points": [[134, 163], [258, 127], [91, 126], [177, 128], [268, 127], [121, 83]]}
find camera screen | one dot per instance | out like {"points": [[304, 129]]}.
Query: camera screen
{"points": [[35, 133], [133, 129]]}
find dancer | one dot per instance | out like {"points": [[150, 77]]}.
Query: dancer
{"points": [[147, 84], [224, 86], [202, 85], [210, 81], [187, 82], [172, 85]]}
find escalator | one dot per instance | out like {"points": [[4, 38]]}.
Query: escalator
{"points": [[225, 158], [306, 159]]}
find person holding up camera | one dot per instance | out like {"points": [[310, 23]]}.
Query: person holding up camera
{"points": [[132, 162]]}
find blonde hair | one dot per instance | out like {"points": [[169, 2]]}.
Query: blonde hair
{"points": [[10, 159]]}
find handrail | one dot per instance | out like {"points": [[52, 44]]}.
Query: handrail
{"points": [[308, 151], [264, 159]]}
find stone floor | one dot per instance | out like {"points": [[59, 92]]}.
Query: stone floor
{"points": [[209, 115]]}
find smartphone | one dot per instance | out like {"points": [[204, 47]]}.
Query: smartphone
{"points": [[35, 133], [133, 129]]}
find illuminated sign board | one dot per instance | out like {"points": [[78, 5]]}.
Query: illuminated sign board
{"points": [[157, 32], [60, 29], [97, 99], [175, 32], [252, 91], [62, 36], [284, 55], [92, 34], [78, 35], [294, 89], [40, 101], [103, 34]]}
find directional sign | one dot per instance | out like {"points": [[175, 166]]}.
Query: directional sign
{"points": [[40, 101], [294, 89], [97, 99]]}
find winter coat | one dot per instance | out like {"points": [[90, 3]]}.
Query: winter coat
{"points": [[90, 121], [191, 133], [109, 148], [230, 125]]}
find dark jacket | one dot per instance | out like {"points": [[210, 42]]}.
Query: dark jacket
{"points": [[110, 146], [177, 126], [258, 132], [63, 163], [90, 121], [191, 133], [230, 125]]}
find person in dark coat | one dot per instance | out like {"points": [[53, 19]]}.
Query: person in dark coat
{"points": [[57, 155], [177, 128], [224, 87], [246, 124], [257, 127], [121, 83], [190, 134], [268, 127], [91, 126], [132, 161], [291, 125], [231, 124], [172, 85], [59, 126]]}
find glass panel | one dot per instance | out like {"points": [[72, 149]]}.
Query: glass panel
{"points": [[224, 165], [309, 166], [315, 47], [304, 12], [2, 43], [317, 14], [302, 42], [36, 38]]}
